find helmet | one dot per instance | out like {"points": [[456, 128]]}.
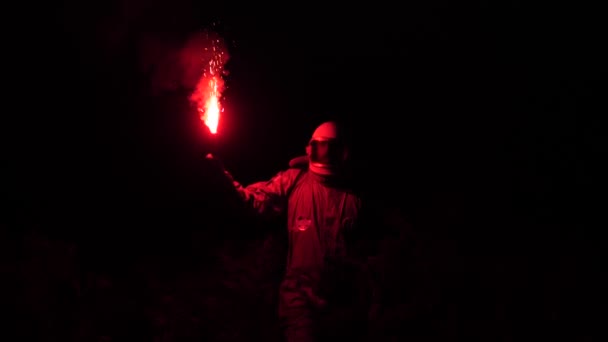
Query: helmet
{"points": [[327, 151]]}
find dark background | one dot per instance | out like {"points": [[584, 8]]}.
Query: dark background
{"points": [[476, 120]]}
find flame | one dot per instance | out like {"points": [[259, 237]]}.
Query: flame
{"points": [[211, 113], [209, 89], [208, 105]]}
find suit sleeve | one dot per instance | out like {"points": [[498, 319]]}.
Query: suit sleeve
{"points": [[267, 198]]}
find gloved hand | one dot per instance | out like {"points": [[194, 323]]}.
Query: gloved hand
{"points": [[215, 162], [219, 169]]}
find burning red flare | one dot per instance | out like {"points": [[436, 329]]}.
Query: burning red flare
{"points": [[209, 89]]}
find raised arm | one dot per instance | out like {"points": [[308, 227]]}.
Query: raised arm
{"points": [[269, 197]]}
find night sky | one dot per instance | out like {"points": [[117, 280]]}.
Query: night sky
{"points": [[460, 99], [466, 116]]}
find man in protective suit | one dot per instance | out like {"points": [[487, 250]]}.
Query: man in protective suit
{"points": [[328, 244]]}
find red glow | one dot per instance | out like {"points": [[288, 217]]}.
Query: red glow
{"points": [[209, 88], [211, 116]]}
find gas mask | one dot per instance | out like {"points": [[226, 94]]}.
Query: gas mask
{"points": [[326, 150]]}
